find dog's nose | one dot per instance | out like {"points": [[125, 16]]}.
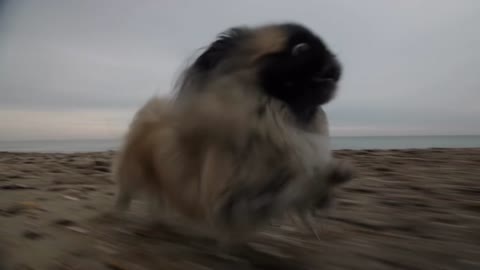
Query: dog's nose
{"points": [[333, 70]]}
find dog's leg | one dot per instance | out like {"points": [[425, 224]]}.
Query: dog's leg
{"points": [[341, 172], [159, 209], [123, 200], [127, 181]]}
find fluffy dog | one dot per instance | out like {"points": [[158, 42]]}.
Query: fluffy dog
{"points": [[244, 140]]}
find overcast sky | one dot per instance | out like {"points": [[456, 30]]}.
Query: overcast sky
{"points": [[80, 69]]}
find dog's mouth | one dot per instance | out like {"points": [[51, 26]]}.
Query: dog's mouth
{"points": [[320, 89], [322, 80], [328, 76], [321, 83]]}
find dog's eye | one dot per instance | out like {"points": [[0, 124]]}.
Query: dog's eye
{"points": [[300, 48]]}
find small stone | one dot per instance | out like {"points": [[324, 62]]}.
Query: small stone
{"points": [[29, 204], [65, 222], [15, 187], [32, 235], [13, 210], [113, 264], [102, 169], [57, 189], [89, 188], [78, 229], [102, 163], [70, 198], [18, 208]]}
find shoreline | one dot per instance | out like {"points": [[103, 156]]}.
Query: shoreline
{"points": [[336, 143], [113, 151], [407, 208]]}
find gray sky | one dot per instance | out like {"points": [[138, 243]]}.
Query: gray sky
{"points": [[80, 69]]}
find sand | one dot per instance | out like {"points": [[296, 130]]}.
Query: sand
{"points": [[407, 209]]}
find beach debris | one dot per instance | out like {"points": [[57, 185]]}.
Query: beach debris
{"points": [[113, 264], [88, 188], [98, 165], [78, 229], [71, 198], [31, 205], [64, 222], [18, 208], [12, 210], [32, 235], [101, 163], [15, 187], [15, 176], [102, 169], [383, 169], [106, 248]]}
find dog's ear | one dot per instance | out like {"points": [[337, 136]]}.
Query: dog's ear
{"points": [[219, 49]]}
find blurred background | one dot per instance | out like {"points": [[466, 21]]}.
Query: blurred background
{"points": [[73, 73], [78, 70]]}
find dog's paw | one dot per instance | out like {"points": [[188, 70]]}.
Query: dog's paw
{"points": [[342, 171], [243, 209]]}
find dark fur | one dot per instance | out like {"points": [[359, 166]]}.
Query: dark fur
{"points": [[303, 82], [246, 129]]}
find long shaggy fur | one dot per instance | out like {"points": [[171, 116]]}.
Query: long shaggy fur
{"points": [[245, 139]]}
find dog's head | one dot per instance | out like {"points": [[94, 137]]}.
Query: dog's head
{"points": [[285, 61]]}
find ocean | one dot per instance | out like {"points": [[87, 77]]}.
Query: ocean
{"points": [[357, 143]]}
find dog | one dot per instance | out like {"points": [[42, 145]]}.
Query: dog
{"points": [[244, 139]]}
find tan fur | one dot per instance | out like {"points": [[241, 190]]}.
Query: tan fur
{"points": [[267, 39], [180, 154], [207, 151]]}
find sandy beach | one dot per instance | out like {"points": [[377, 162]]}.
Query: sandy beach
{"points": [[407, 209]]}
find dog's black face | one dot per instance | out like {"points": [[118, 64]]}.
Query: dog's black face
{"points": [[304, 74], [301, 71]]}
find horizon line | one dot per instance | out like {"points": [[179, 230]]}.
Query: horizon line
{"points": [[331, 136]]}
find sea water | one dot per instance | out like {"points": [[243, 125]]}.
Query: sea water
{"points": [[357, 143]]}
